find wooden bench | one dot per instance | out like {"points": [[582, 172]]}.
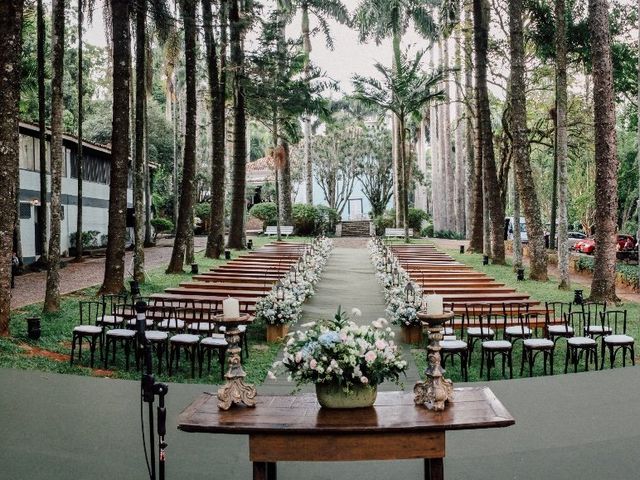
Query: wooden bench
{"points": [[396, 232], [285, 230]]}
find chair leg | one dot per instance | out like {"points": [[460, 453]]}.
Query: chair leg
{"points": [[193, 361], [127, 351], [510, 363], [633, 355], [73, 348], [80, 338], [106, 352], [522, 359], [481, 361], [612, 356], [566, 358]]}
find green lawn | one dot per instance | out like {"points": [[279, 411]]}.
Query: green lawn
{"points": [[541, 291], [56, 334]]}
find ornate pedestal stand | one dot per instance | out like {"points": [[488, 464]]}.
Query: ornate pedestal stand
{"points": [[436, 390], [235, 390]]}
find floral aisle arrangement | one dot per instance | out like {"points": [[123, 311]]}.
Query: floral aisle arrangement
{"points": [[343, 359], [402, 295], [283, 305]]}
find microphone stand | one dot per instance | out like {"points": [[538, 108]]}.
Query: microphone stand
{"points": [[150, 389]]}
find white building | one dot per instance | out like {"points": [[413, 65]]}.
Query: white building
{"points": [[95, 198]]}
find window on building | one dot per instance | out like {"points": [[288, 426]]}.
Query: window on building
{"points": [[95, 169], [27, 157], [25, 210]]}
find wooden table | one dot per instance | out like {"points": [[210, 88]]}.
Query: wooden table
{"points": [[295, 428]]}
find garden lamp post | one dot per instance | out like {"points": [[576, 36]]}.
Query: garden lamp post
{"points": [[294, 273], [410, 293], [279, 291]]}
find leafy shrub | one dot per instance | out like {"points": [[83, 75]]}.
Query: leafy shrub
{"points": [[265, 211], [304, 218], [584, 264], [427, 231], [448, 234], [162, 225], [326, 219], [416, 217], [386, 220], [202, 210], [89, 239]]}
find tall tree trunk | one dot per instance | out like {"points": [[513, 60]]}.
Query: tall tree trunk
{"points": [[42, 133], [404, 165], [185, 213], [445, 141], [52, 293], [308, 161], [638, 147], [603, 286], [80, 159], [217, 76], [399, 186], [460, 170], [517, 236], [481, 12], [140, 151], [286, 209], [120, 144], [148, 199], [434, 144], [561, 136], [470, 131], [236, 228], [520, 147], [10, 58]]}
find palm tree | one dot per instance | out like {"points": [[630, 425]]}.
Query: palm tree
{"points": [[523, 174], [379, 19], [187, 192], [11, 12], [52, 292], [561, 142], [238, 182], [322, 10], [404, 91], [140, 150], [603, 285], [120, 143], [42, 134], [495, 208], [217, 88]]}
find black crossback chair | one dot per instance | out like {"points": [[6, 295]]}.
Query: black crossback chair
{"points": [[492, 348], [87, 329], [556, 320], [579, 344], [126, 337], [514, 329], [451, 347], [212, 340], [618, 340], [183, 341], [476, 329], [158, 340], [534, 346], [594, 327]]}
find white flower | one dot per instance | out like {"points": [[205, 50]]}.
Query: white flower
{"points": [[313, 364], [271, 376], [364, 380], [370, 356], [308, 324], [356, 311]]}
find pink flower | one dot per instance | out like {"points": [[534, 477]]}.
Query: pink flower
{"points": [[364, 380], [313, 364], [381, 344], [370, 356], [298, 357]]}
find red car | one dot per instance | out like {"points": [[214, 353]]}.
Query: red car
{"points": [[624, 242]]}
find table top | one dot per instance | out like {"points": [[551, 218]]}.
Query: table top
{"points": [[472, 408]]}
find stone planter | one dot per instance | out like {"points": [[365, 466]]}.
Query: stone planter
{"points": [[411, 334], [331, 395], [275, 333]]}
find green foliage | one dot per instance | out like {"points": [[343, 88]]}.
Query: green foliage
{"points": [[427, 231], [265, 211], [202, 210], [386, 220], [416, 217], [326, 219], [304, 218], [89, 239], [448, 234], [162, 224]]}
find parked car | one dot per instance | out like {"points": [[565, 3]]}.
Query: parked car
{"points": [[575, 238], [624, 242]]}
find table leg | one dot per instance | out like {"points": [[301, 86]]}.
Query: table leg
{"points": [[272, 471], [259, 471], [433, 469]]}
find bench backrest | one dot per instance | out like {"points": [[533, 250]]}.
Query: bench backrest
{"points": [[396, 232], [284, 229]]}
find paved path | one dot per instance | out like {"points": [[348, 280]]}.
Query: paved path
{"points": [[349, 280], [30, 287]]}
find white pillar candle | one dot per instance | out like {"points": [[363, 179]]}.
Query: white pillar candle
{"points": [[434, 304], [231, 308]]}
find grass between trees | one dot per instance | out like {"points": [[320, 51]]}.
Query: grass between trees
{"points": [[541, 291], [51, 352]]}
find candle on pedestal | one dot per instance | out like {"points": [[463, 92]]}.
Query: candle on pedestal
{"points": [[231, 308], [434, 304]]}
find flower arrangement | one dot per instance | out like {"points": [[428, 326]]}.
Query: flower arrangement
{"points": [[275, 311], [285, 307], [403, 310], [340, 351]]}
